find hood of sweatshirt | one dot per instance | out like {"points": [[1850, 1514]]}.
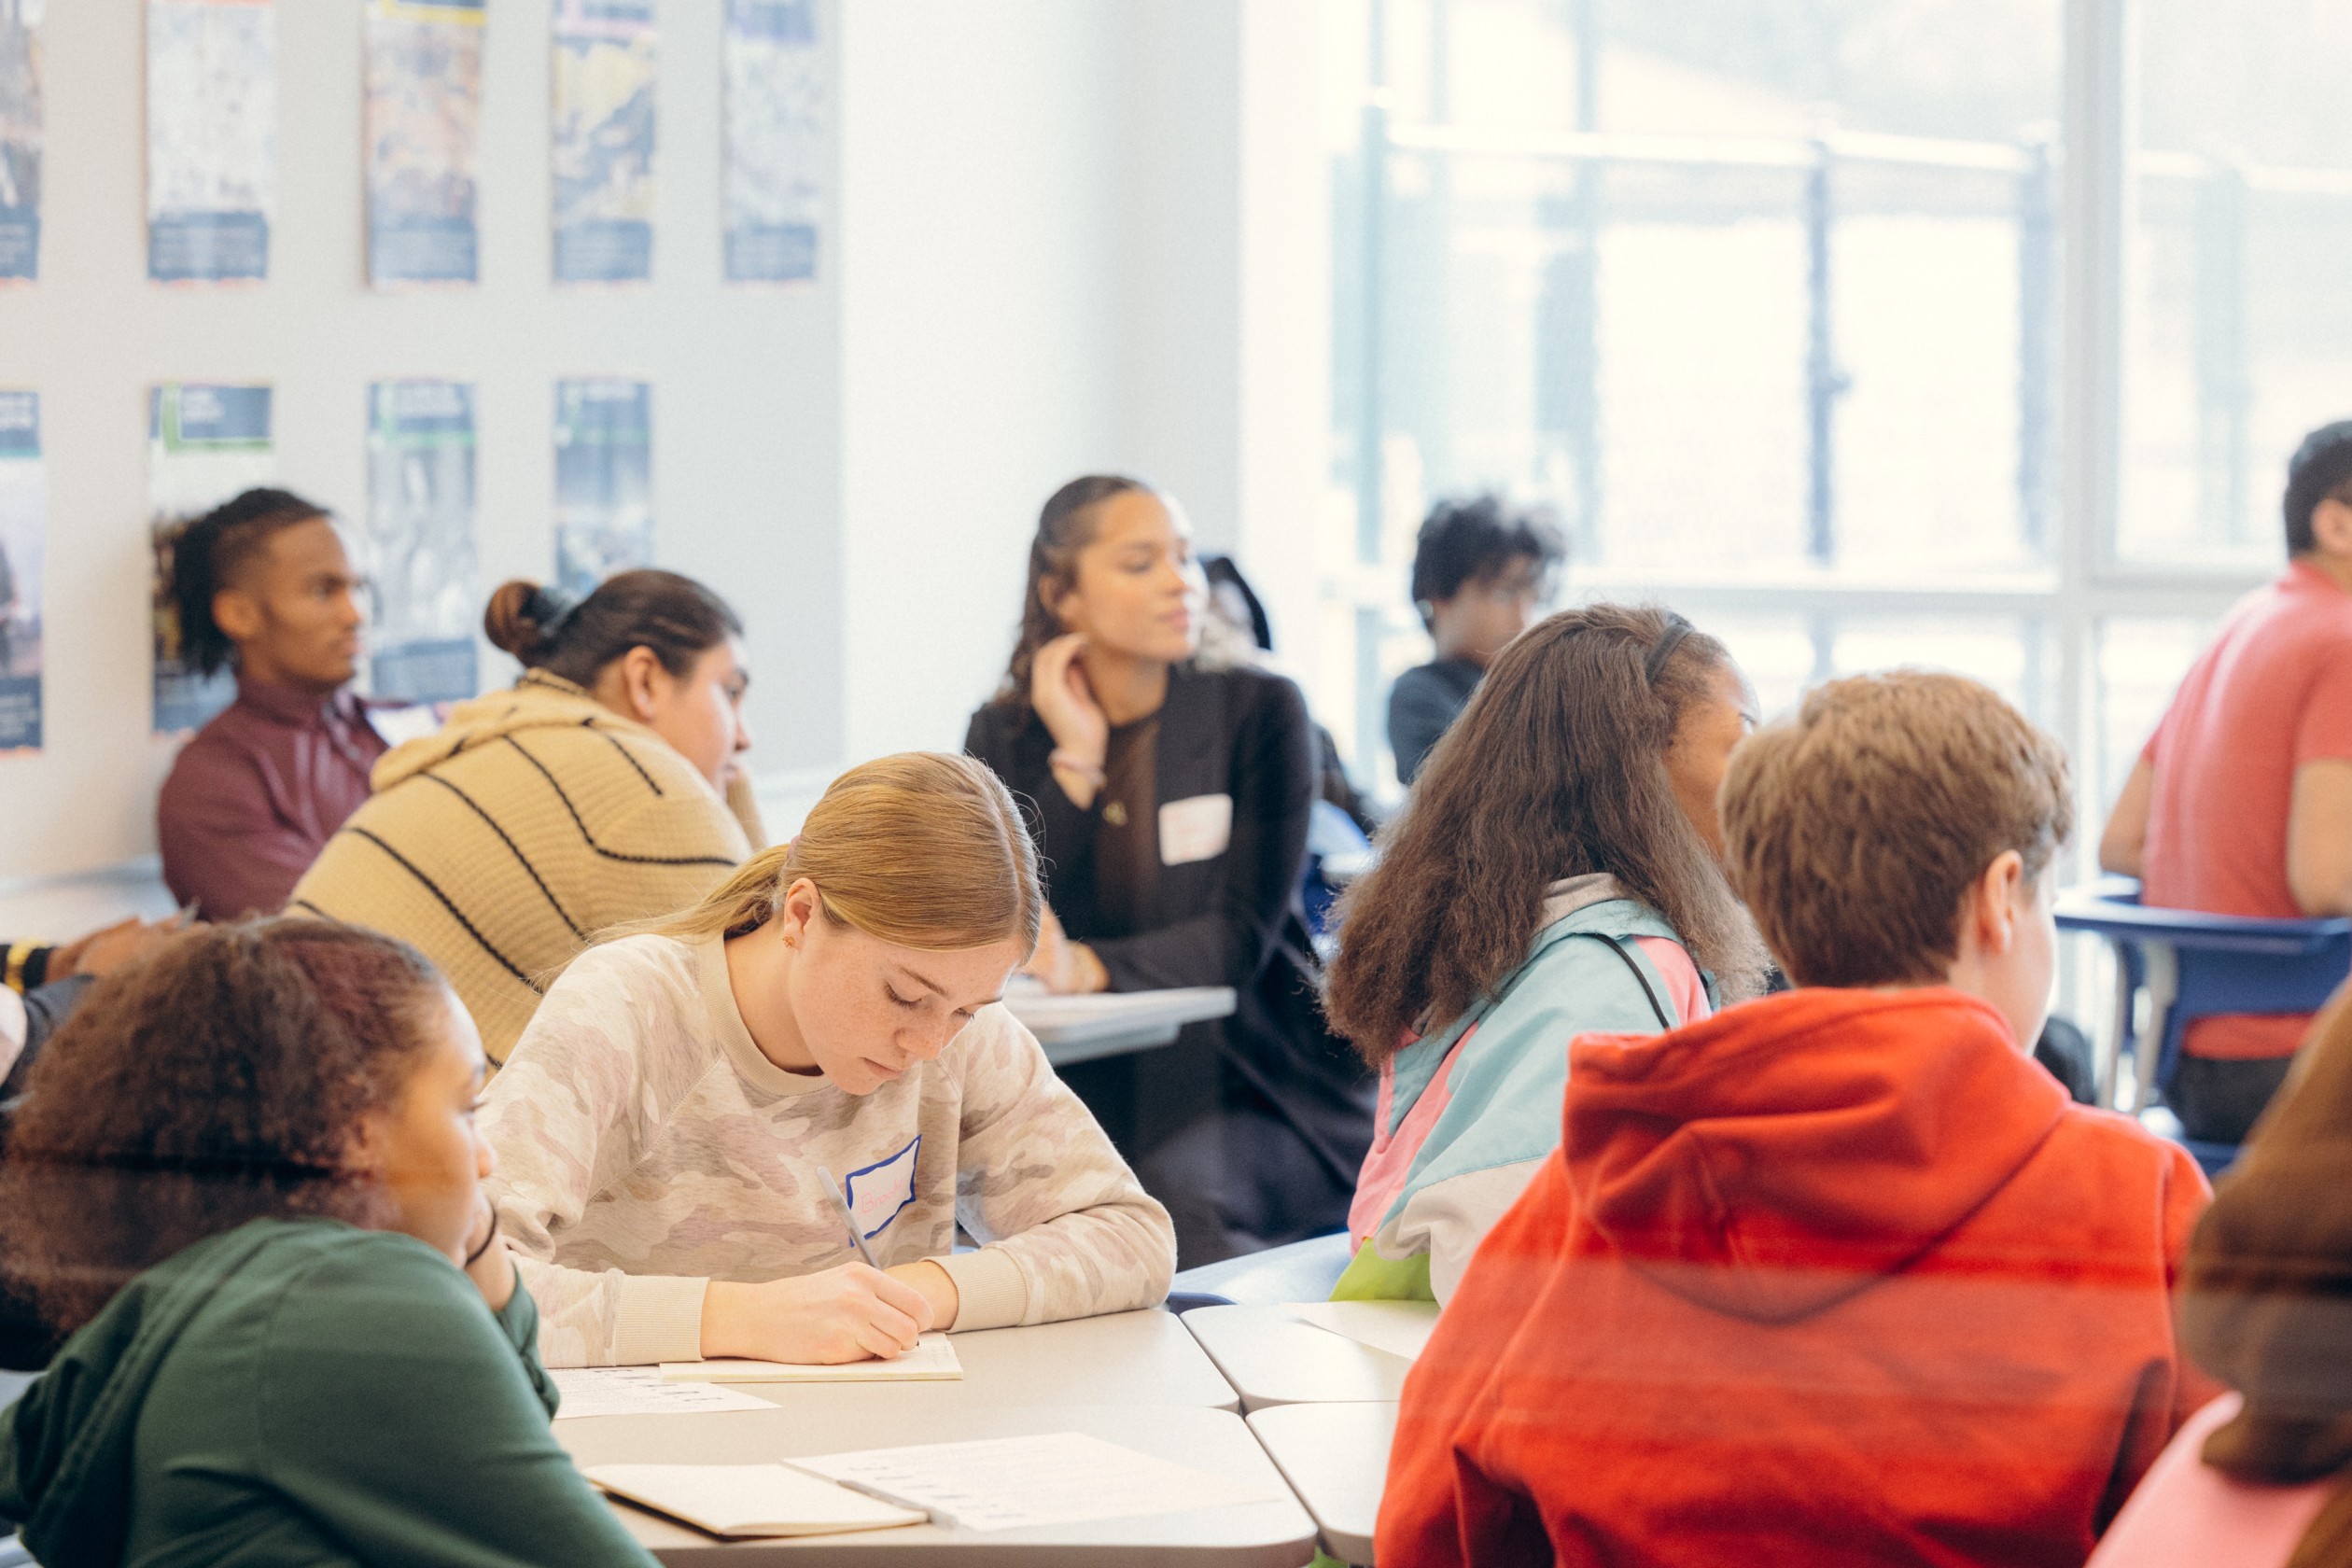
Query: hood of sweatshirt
{"points": [[538, 701], [1774, 1159], [66, 1444]]}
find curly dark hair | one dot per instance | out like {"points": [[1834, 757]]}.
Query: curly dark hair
{"points": [[1475, 538], [1556, 769], [209, 554], [217, 1082]]}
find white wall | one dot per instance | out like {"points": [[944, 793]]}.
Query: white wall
{"points": [[1073, 235], [1077, 237], [980, 301], [746, 437]]}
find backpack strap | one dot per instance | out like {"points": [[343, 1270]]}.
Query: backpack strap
{"points": [[1639, 978]]}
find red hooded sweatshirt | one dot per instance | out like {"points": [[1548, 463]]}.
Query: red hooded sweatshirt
{"points": [[1837, 1277]]}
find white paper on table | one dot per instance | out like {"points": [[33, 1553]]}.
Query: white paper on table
{"points": [[933, 1359], [1012, 1483], [1401, 1328], [642, 1391]]}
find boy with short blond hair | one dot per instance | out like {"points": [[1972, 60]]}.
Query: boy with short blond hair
{"points": [[1840, 1276]]}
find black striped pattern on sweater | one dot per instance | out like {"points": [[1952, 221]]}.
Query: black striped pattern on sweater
{"points": [[590, 838], [447, 902]]}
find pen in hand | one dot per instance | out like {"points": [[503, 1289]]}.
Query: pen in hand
{"points": [[841, 1206]]}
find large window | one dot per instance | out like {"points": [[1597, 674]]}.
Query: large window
{"points": [[1767, 299]]}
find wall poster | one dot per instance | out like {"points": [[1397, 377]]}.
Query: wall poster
{"points": [[602, 140], [21, 140], [424, 125], [23, 526], [604, 480], [211, 138], [206, 443], [419, 549], [777, 105]]}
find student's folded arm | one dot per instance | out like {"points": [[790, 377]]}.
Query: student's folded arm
{"points": [[2319, 837], [399, 1414], [567, 1104], [2126, 838], [1067, 1230], [1273, 788]]}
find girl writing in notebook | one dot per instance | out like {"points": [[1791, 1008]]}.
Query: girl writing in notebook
{"points": [[663, 1122]]}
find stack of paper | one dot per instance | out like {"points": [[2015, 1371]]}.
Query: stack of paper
{"points": [[1401, 1328], [747, 1500], [933, 1359]]}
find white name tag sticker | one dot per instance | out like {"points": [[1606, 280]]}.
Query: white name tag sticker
{"points": [[878, 1192], [1198, 828]]}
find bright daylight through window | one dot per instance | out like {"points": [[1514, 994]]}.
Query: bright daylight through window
{"points": [[1774, 303]]}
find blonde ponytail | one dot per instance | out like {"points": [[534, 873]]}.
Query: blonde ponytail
{"points": [[921, 849]]}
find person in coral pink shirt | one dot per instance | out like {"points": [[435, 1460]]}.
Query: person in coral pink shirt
{"points": [[2242, 802]]}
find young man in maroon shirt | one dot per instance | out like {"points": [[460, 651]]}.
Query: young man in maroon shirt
{"points": [[2242, 802], [263, 584]]}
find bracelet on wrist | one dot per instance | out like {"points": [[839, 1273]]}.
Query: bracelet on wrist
{"points": [[1090, 772], [475, 1256]]}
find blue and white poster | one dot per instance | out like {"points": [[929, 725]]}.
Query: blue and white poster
{"points": [[206, 443], [21, 140], [604, 480], [419, 551], [602, 134], [424, 120], [23, 526], [777, 106], [212, 139]]}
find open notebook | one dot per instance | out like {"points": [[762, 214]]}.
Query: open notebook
{"points": [[931, 1361], [749, 1500]]}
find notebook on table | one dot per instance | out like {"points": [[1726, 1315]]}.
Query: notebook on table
{"points": [[933, 1359], [745, 1501]]}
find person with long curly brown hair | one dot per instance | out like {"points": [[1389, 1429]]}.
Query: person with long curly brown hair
{"points": [[245, 1184], [1555, 872]]}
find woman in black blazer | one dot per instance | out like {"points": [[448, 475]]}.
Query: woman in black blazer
{"points": [[1170, 803]]}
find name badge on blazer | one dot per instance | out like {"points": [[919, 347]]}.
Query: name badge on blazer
{"points": [[1198, 828]]}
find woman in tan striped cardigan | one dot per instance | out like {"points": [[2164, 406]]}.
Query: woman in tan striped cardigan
{"points": [[602, 787]]}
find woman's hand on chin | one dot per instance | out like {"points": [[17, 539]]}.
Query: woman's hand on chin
{"points": [[1066, 705], [849, 1313], [1063, 966]]}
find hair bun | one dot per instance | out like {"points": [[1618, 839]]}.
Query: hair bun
{"points": [[525, 619]]}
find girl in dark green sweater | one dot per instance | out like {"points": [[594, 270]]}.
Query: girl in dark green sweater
{"points": [[246, 1183]]}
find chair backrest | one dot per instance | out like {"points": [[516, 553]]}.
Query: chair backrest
{"points": [[2188, 1515]]}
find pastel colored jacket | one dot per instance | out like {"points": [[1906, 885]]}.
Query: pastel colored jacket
{"points": [[1837, 1278], [1468, 1112]]}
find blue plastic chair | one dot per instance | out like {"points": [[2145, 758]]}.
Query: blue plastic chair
{"points": [[2194, 966], [1337, 853]]}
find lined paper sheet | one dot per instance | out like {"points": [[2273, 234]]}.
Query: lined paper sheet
{"points": [[642, 1391], [1012, 1483], [933, 1359], [747, 1500], [1402, 1328]]}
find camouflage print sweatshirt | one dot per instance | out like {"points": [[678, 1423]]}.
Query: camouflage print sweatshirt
{"points": [[646, 1147]]}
